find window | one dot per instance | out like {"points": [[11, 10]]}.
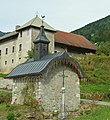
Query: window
{"points": [[19, 58], [5, 62], [6, 51], [12, 60], [13, 49], [0, 52], [20, 47], [21, 34]]}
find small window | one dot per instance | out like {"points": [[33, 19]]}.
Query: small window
{"points": [[19, 58], [6, 51], [0, 52], [5, 62], [12, 60], [20, 47], [21, 34], [13, 49]]}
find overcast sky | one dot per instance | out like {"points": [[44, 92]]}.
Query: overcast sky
{"points": [[66, 15]]}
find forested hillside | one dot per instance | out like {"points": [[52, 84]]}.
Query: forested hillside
{"points": [[97, 31], [1, 33]]}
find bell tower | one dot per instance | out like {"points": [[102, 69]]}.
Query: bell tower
{"points": [[41, 44]]}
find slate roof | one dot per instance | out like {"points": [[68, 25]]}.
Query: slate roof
{"points": [[31, 67], [8, 35], [42, 38], [73, 40], [36, 22]]}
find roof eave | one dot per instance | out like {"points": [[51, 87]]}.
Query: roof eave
{"points": [[75, 46], [32, 26]]}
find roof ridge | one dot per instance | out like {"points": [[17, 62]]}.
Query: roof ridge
{"points": [[33, 20]]}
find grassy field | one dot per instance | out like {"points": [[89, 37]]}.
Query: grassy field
{"points": [[32, 111], [97, 69], [18, 112], [94, 113], [22, 112]]}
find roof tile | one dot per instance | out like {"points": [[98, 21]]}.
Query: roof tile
{"points": [[73, 40]]}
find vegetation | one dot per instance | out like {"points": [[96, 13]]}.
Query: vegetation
{"points": [[97, 69], [2, 75], [97, 31], [103, 48], [5, 97], [1, 33], [91, 113], [30, 110], [30, 53]]}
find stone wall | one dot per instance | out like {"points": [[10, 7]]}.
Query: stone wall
{"points": [[51, 92], [48, 89], [6, 83]]}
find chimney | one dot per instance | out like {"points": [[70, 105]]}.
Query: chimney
{"points": [[17, 26]]}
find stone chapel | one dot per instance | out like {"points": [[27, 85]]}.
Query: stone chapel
{"points": [[44, 75]]}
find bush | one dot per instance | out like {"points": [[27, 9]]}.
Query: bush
{"points": [[5, 97], [11, 116]]}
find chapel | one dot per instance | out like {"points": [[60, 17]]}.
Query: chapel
{"points": [[44, 76]]}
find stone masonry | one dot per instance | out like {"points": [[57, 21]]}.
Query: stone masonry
{"points": [[48, 89]]}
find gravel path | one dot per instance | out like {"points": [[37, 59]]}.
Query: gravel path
{"points": [[95, 102]]}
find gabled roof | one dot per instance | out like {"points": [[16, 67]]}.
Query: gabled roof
{"points": [[73, 40], [36, 22], [32, 67]]}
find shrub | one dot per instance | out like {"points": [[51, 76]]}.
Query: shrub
{"points": [[5, 97], [10, 116]]}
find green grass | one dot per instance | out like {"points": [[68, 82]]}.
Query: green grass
{"points": [[97, 69], [98, 113], [18, 110], [92, 113], [95, 88], [2, 75], [5, 97]]}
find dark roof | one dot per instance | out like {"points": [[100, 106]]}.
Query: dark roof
{"points": [[73, 40], [8, 35], [41, 37], [32, 67]]}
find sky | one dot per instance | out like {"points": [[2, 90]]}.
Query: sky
{"points": [[66, 15]]}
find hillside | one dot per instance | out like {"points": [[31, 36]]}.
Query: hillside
{"points": [[1, 33], [97, 85], [97, 31]]}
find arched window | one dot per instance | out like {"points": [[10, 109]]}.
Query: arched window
{"points": [[5, 62], [12, 60], [6, 51], [13, 49]]}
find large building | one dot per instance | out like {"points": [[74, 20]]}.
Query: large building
{"points": [[15, 45]]}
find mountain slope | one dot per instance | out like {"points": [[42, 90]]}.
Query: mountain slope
{"points": [[97, 31], [1, 33]]}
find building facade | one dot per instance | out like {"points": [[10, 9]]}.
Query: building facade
{"points": [[15, 45]]}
